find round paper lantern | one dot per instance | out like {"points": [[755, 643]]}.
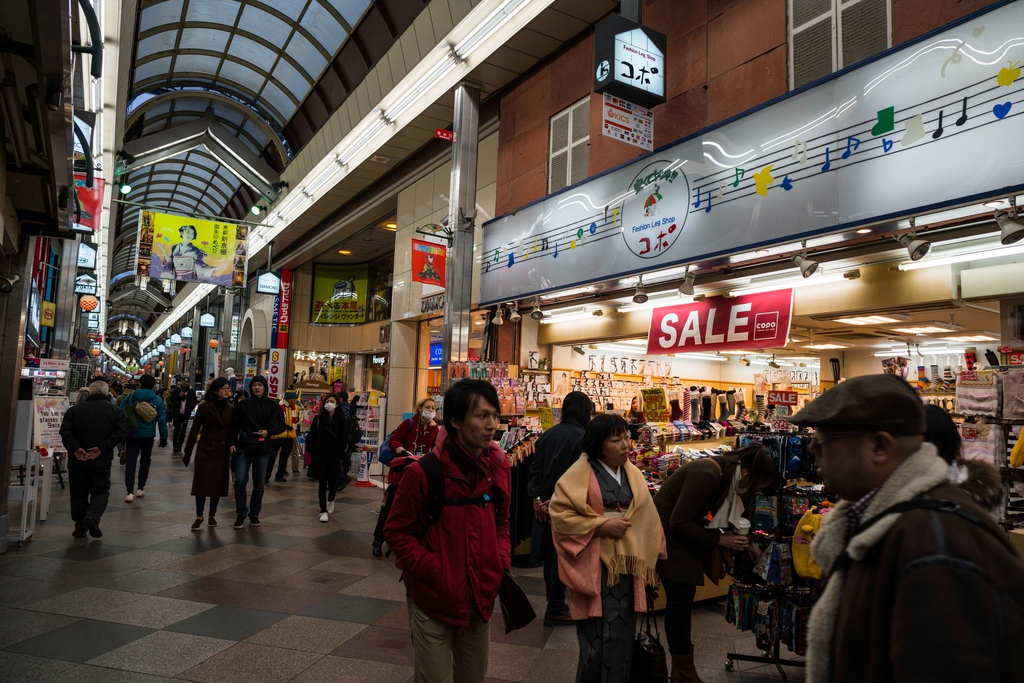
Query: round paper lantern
{"points": [[89, 303], [161, 363], [95, 352], [214, 343]]}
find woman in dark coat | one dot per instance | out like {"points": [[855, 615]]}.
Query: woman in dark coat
{"points": [[212, 474], [326, 441]]}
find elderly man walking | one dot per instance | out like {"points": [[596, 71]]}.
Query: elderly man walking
{"points": [[90, 432], [922, 584]]}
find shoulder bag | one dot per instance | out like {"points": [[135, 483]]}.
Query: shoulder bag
{"points": [[516, 609], [649, 662]]}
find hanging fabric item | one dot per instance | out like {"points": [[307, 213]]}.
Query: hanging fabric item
{"points": [[977, 393], [983, 442], [1013, 394]]}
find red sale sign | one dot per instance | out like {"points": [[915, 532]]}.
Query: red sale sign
{"points": [[723, 324]]}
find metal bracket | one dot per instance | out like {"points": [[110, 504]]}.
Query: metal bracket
{"points": [[436, 230]]}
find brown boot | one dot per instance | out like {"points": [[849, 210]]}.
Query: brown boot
{"points": [[683, 670]]}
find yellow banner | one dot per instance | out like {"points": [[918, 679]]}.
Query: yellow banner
{"points": [[47, 314], [339, 294], [191, 249]]}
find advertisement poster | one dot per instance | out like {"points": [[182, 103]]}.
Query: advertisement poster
{"points": [[627, 122], [722, 324], [91, 199], [190, 249], [49, 415], [282, 311], [47, 314], [339, 294], [655, 405], [428, 263], [250, 371], [276, 373]]}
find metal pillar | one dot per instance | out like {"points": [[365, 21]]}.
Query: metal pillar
{"points": [[12, 340], [458, 295], [66, 308]]}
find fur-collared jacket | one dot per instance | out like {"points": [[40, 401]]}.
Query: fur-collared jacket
{"points": [[926, 595]]}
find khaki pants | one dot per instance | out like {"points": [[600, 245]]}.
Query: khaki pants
{"points": [[446, 653]]}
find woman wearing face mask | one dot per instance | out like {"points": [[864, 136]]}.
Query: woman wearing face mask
{"points": [[326, 444], [413, 438], [211, 477]]}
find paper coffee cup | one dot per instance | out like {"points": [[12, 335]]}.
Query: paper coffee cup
{"points": [[744, 527]]}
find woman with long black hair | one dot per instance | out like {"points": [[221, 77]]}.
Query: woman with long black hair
{"points": [[211, 478], [326, 441]]}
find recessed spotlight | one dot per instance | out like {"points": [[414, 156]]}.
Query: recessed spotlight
{"points": [[762, 251], [344, 252], [391, 226], [995, 204], [864, 231]]}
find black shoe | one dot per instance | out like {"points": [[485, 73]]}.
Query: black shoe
{"points": [[295, 471], [240, 521], [563, 619], [93, 527], [254, 521], [79, 531], [281, 479], [377, 548]]}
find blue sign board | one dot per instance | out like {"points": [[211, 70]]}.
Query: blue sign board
{"points": [[436, 354]]}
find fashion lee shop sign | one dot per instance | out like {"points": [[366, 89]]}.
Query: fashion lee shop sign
{"points": [[718, 323]]}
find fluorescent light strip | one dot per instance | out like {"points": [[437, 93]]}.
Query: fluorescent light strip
{"points": [[962, 258], [567, 317], [653, 303], [788, 284], [568, 292]]}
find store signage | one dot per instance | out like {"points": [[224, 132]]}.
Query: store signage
{"points": [[627, 122], [207, 320], [783, 398], [90, 200], [47, 314], [780, 424], [275, 373], [630, 60], [1015, 358], [436, 355], [428, 263], [969, 433], [186, 332], [175, 339], [54, 365], [86, 256], [429, 304], [339, 294], [378, 360], [268, 283], [864, 147], [190, 249], [722, 324], [93, 324], [49, 414], [85, 284], [234, 333], [446, 135], [282, 317], [969, 376], [655, 405]]}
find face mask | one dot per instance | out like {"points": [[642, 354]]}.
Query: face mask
{"points": [[329, 407], [429, 414]]}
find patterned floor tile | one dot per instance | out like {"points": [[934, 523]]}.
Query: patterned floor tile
{"points": [[351, 608], [153, 611], [162, 653], [80, 640], [252, 663], [307, 633], [229, 623], [84, 602]]}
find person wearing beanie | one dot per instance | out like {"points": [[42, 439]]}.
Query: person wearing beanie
{"points": [[283, 445], [255, 420], [921, 583]]}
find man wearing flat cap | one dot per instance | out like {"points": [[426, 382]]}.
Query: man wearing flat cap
{"points": [[922, 585]]}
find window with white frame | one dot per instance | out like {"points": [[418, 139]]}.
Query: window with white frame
{"points": [[828, 35], [569, 146]]}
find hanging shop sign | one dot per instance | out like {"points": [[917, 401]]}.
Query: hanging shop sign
{"points": [[86, 256], [446, 135], [207, 320], [85, 284], [722, 324], [235, 327], [630, 60], [190, 249], [428, 263], [627, 122], [436, 355], [175, 339], [339, 294], [186, 332], [90, 200], [268, 283], [47, 314], [429, 304], [275, 373], [916, 129], [783, 398], [282, 317]]}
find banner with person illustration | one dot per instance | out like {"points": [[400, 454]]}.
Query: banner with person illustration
{"points": [[339, 294], [190, 249], [428, 262]]}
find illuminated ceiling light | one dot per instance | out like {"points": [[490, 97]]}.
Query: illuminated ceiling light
{"points": [[568, 292], [1010, 230], [972, 337], [917, 249], [763, 251], [344, 252], [929, 328], [789, 283], [873, 319], [498, 318], [566, 317], [807, 267], [687, 286], [864, 231], [536, 313], [963, 258], [126, 187], [828, 346], [256, 210], [391, 226], [995, 204], [640, 296]]}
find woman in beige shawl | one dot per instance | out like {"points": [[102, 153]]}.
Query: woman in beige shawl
{"points": [[609, 539]]}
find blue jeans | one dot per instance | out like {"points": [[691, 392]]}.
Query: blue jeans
{"points": [[134, 447], [243, 461]]}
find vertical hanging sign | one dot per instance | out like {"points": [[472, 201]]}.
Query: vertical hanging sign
{"points": [[275, 373], [283, 309]]}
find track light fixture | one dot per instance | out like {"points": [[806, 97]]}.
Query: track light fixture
{"points": [[773, 364], [640, 297], [687, 286], [7, 283], [125, 187], [536, 313], [1011, 231], [917, 249], [745, 361], [498, 318], [807, 267], [579, 350], [513, 314], [256, 209]]}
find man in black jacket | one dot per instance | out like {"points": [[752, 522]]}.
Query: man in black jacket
{"points": [[256, 419], [90, 431], [557, 450], [183, 402]]}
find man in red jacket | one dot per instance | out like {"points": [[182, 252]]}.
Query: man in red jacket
{"points": [[452, 569]]}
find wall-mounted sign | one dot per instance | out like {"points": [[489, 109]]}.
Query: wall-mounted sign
{"points": [[436, 355], [379, 361], [276, 370], [47, 314], [446, 135], [234, 333], [909, 130], [339, 294], [627, 122], [268, 283], [630, 60], [429, 304], [86, 256], [186, 332], [722, 324], [93, 324], [207, 320], [85, 284], [94, 317], [428, 263]]}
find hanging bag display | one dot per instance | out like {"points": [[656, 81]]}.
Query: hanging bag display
{"points": [[649, 661]]}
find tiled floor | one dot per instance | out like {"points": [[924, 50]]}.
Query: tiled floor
{"points": [[292, 600]]}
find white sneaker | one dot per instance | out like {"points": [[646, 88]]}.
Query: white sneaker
{"points": [[323, 516], [139, 493], [129, 498], [330, 507]]}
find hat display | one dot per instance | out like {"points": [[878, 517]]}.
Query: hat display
{"points": [[883, 403]]}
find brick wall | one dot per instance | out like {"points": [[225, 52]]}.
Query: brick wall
{"points": [[724, 57]]}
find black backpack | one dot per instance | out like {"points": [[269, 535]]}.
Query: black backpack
{"points": [[436, 501]]}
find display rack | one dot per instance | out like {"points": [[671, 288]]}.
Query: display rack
{"points": [[370, 413]]}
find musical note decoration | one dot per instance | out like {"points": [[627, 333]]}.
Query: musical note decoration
{"points": [[739, 174], [762, 179], [915, 130], [886, 145], [956, 57], [796, 150], [938, 131], [511, 259], [1001, 110], [721, 189], [886, 121], [787, 184], [556, 249], [963, 114], [828, 162], [696, 205], [1008, 74], [856, 145]]}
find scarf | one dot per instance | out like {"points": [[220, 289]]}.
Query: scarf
{"points": [[921, 472], [636, 553], [732, 508]]}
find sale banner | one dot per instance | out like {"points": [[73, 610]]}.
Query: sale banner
{"points": [[428, 261], [278, 367], [719, 323]]}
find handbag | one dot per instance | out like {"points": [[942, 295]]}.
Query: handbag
{"points": [[131, 420], [516, 609], [649, 661], [716, 564]]}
